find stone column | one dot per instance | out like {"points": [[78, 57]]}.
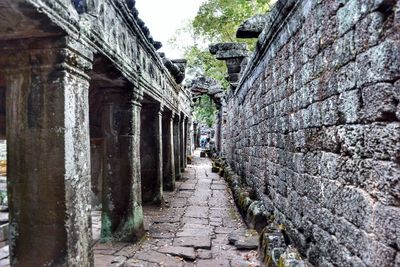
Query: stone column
{"points": [[159, 152], [151, 153], [177, 147], [48, 151], [182, 142], [218, 125], [187, 140], [122, 215], [168, 152], [196, 138]]}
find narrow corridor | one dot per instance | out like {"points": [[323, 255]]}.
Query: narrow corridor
{"points": [[192, 230]]}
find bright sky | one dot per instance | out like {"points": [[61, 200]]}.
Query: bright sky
{"points": [[164, 17]]}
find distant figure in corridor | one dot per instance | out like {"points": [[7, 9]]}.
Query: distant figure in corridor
{"points": [[203, 143]]}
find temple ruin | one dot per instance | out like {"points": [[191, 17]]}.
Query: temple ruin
{"points": [[307, 135]]}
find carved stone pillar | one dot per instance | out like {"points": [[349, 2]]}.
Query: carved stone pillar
{"points": [[177, 147], [151, 153], [48, 151], [182, 143], [122, 215], [168, 152], [187, 140], [196, 137]]}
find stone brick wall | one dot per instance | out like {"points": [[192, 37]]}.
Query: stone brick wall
{"points": [[314, 128]]}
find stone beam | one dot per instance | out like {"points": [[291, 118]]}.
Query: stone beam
{"points": [[252, 27]]}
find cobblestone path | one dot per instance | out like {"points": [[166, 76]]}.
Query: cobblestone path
{"points": [[192, 230]]}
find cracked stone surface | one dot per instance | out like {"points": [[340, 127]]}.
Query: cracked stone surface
{"points": [[192, 230]]}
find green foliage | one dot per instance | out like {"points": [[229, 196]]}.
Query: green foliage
{"points": [[215, 22], [205, 111], [218, 20], [202, 63]]}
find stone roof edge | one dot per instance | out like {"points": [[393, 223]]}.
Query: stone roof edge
{"points": [[124, 7], [276, 18]]}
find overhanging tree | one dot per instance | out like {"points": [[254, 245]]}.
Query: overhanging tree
{"points": [[215, 22]]}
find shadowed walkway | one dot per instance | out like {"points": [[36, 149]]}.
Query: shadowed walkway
{"points": [[191, 231]]}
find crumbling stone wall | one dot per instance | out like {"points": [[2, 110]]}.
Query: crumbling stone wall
{"points": [[313, 127]]}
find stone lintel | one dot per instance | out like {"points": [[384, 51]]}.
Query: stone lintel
{"points": [[223, 51], [252, 27]]}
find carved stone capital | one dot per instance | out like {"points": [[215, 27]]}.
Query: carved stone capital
{"points": [[137, 96]]}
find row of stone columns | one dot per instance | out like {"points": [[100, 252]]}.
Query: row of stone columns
{"points": [[48, 153]]}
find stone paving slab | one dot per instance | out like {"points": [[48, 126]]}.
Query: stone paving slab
{"points": [[197, 212], [159, 258], [213, 262], [194, 233], [4, 252], [218, 187], [204, 254], [178, 202], [5, 262], [187, 186], [200, 202], [192, 229], [203, 221], [184, 252], [193, 241], [139, 263]]}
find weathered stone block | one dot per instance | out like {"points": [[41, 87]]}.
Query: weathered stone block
{"points": [[387, 224], [344, 50], [378, 254], [353, 10], [356, 206], [368, 31], [380, 102], [382, 141], [379, 64], [328, 165], [349, 106], [291, 258], [272, 246], [381, 179]]}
